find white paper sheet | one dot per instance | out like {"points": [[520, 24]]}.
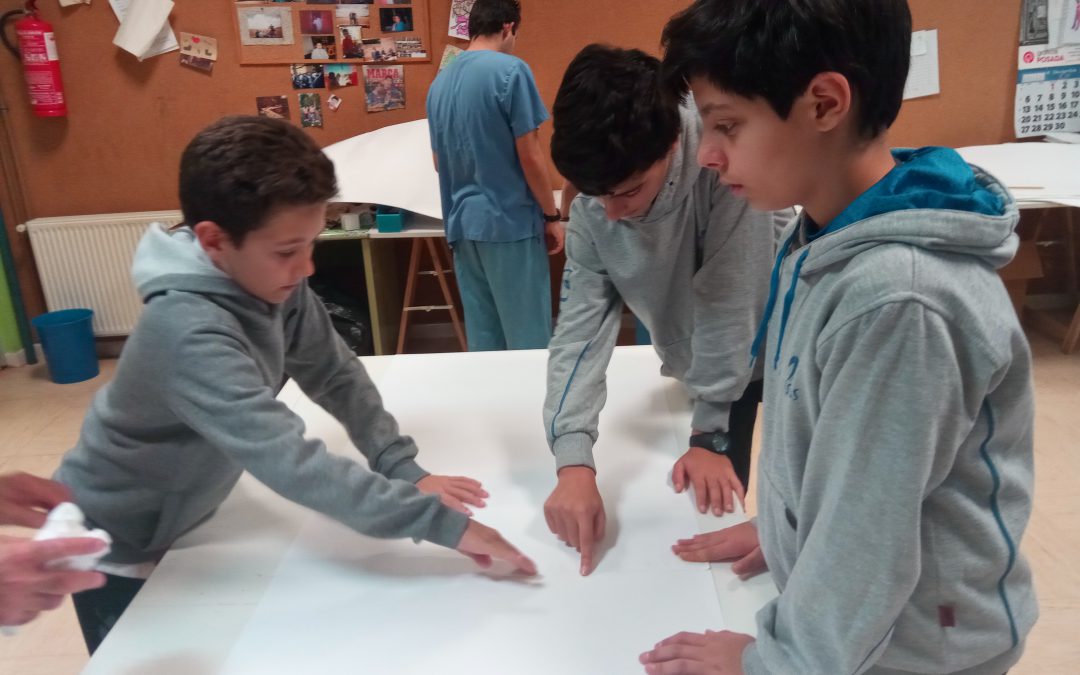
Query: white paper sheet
{"points": [[342, 603], [144, 27], [923, 76], [390, 166], [1048, 172]]}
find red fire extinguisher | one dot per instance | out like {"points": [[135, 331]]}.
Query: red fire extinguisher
{"points": [[41, 63]]}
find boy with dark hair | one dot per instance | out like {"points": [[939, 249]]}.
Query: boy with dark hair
{"points": [[653, 230], [192, 405], [895, 477], [483, 112]]}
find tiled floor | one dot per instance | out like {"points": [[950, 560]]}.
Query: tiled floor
{"points": [[39, 421]]}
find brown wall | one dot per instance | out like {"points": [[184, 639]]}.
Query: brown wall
{"points": [[118, 148]]}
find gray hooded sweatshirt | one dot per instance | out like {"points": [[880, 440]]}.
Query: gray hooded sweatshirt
{"points": [[895, 478], [192, 405], [694, 270]]}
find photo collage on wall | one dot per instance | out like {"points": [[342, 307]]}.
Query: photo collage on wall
{"points": [[332, 46]]}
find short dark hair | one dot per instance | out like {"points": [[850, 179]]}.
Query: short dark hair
{"points": [[773, 48], [239, 170], [612, 118], [488, 17]]}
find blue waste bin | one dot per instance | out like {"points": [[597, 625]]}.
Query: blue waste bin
{"points": [[67, 337]]}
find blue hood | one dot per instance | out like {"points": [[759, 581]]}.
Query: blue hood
{"points": [[931, 199]]}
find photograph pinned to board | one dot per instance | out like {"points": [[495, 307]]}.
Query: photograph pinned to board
{"points": [[198, 52], [380, 49], [340, 75], [396, 19], [1070, 23], [410, 48], [333, 102], [315, 21], [449, 54], [352, 42], [266, 26], [459, 18], [273, 106], [307, 77], [354, 15], [205, 65], [311, 110], [319, 47], [384, 87], [201, 46]]}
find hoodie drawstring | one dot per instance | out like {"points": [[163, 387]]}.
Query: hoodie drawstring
{"points": [[789, 298], [774, 283]]}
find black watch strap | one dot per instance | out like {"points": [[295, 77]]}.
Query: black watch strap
{"points": [[713, 441], [553, 218]]}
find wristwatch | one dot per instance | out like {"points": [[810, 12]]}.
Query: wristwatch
{"points": [[713, 441], [553, 218]]}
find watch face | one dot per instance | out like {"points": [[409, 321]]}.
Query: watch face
{"points": [[721, 442]]}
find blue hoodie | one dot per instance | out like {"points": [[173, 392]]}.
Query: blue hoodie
{"points": [[895, 479]]}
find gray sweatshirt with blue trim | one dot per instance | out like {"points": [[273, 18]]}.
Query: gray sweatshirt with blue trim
{"points": [[192, 405], [895, 478], [694, 270]]}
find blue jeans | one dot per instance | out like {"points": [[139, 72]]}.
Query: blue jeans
{"points": [[505, 293]]}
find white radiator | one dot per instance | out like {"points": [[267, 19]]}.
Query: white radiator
{"points": [[85, 261]]}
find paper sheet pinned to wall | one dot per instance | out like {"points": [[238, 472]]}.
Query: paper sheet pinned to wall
{"points": [[144, 27], [390, 166], [924, 75]]}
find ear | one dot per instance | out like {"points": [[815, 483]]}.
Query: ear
{"points": [[212, 238], [509, 29], [828, 98]]}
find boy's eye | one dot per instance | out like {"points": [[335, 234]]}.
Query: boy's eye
{"points": [[287, 254], [725, 129]]}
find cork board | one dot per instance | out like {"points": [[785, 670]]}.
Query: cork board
{"points": [[372, 32], [118, 150]]}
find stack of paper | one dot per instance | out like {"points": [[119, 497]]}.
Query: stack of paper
{"points": [[1033, 172], [144, 27]]}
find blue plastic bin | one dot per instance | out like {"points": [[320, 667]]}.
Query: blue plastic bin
{"points": [[67, 337], [390, 219]]}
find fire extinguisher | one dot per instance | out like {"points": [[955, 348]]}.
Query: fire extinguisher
{"points": [[41, 63]]}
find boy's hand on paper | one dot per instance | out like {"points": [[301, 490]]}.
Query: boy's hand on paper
{"points": [[708, 653], [484, 545], [28, 588], [454, 491], [713, 478], [738, 543], [25, 500], [575, 513]]}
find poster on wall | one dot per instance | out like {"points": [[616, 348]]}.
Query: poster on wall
{"points": [[384, 87], [1048, 77], [459, 18]]}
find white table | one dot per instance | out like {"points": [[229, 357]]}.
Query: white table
{"points": [[206, 591]]}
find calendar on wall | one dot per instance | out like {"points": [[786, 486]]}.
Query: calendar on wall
{"points": [[1048, 77]]}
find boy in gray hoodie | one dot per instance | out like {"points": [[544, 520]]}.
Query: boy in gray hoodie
{"points": [[193, 404], [655, 231], [895, 479]]}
